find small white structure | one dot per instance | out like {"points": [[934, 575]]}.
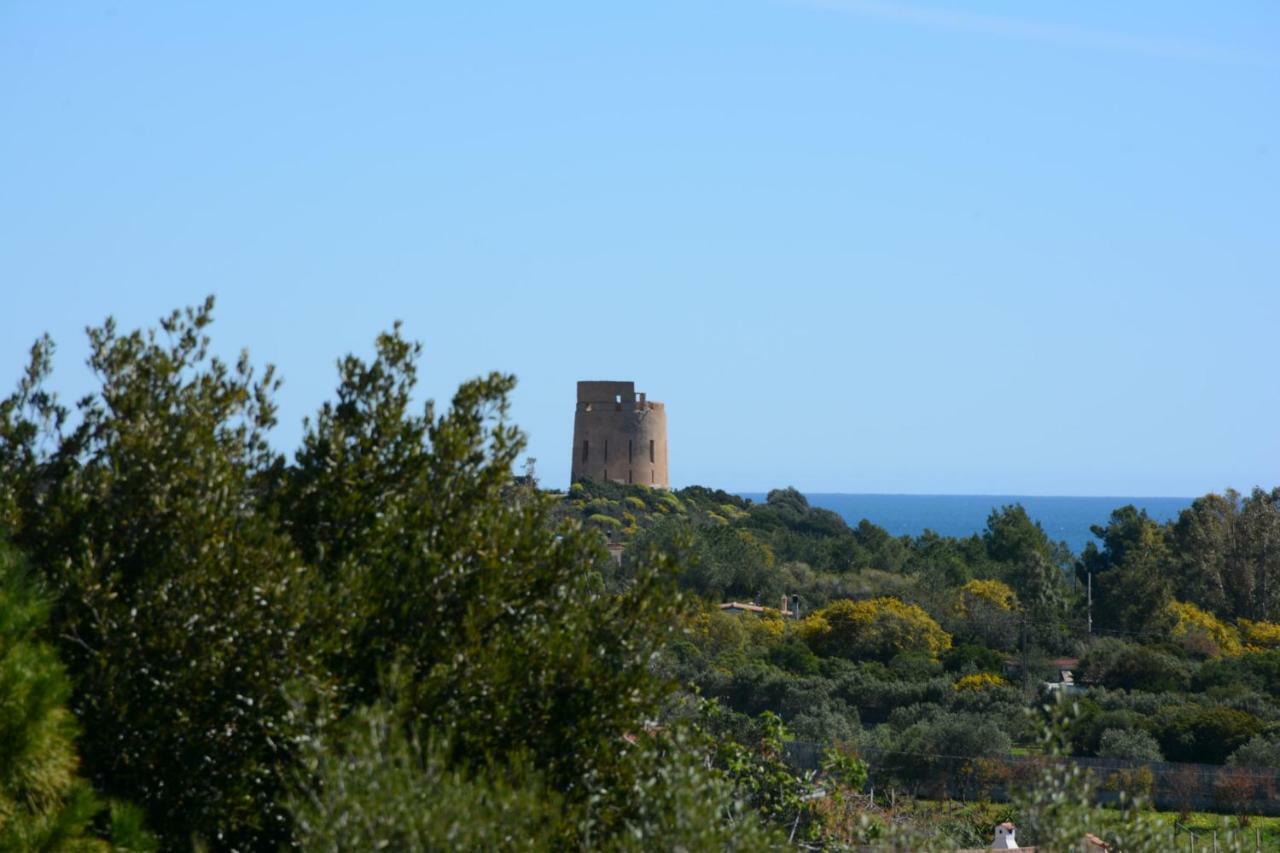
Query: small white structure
{"points": [[1066, 684], [1004, 837]]}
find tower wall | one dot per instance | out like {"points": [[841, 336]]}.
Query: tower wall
{"points": [[619, 435]]}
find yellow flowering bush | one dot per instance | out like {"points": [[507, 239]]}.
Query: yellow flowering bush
{"points": [[1193, 625], [993, 592], [879, 628], [979, 681], [1259, 636], [767, 629]]}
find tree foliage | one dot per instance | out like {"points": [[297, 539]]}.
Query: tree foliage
{"points": [[44, 802], [178, 606], [878, 629]]}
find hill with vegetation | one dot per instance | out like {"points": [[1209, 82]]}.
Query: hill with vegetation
{"points": [[929, 652]]}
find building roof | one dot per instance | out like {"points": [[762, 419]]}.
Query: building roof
{"points": [[742, 606], [739, 605]]}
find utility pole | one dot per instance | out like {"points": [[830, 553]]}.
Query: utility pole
{"points": [[1089, 598]]}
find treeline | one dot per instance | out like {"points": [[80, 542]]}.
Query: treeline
{"points": [[922, 650], [383, 642]]}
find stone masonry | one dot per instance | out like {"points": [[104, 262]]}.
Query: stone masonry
{"points": [[619, 436]]}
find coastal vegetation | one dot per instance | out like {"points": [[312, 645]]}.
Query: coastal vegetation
{"points": [[388, 640]]}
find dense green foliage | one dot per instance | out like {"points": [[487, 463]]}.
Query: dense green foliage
{"points": [[928, 652], [44, 803], [180, 608], [390, 641], [222, 612]]}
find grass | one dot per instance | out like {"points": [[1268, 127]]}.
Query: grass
{"points": [[972, 823], [1204, 823]]}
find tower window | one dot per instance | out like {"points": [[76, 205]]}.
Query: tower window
{"points": [[586, 449], [652, 476], [651, 450], [628, 475]]}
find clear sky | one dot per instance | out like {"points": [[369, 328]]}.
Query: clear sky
{"points": [[854, 245]]}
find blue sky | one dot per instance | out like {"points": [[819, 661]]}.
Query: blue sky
{"points": [[855, 246]]}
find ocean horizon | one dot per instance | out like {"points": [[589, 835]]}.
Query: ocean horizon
{"points": [[1065, 518]]}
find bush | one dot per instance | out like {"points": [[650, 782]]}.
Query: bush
{"points": [[1257, 670], [879, 629], [1114, 663], [1202, 632], [979, 682], [970, 656], [1087, 729], [936, 752], [1259, 636], [1133, 744], [1258, 751], [1205, 735], [606, 521], [380, 789]]}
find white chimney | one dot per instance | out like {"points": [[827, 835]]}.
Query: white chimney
{"points": [[1004, 837]]}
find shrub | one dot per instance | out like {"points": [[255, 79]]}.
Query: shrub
{"points": [[1259, 636], [380, 789], [1133, 744], [993, 592], [1088, 727], [1205, 735], [1134, 782], [1193, 627], [936, 751], [1234, 792], [794, 657], [879, 629], [972, 656], [1114, 663], [979, 681], [1258, 751], [1257, 670]]}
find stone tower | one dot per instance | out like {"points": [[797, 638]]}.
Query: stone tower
{"points": [[619, 436]]}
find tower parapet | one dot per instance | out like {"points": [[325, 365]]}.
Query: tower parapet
{"points": [[619, 436]]}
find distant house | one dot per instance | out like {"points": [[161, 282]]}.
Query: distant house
{"points": [[1065, 684], [1062, 678], [786, 611]]}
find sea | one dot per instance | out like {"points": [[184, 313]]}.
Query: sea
{"points": [[1065, 519]]}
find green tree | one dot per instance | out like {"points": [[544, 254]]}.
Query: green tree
{"points": [[1013, 538], [45, 805], [1228, 554], [509, 651], [1131, 585], [178, 606]]}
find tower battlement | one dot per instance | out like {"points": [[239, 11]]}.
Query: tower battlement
{"points": [[619, 435]]}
